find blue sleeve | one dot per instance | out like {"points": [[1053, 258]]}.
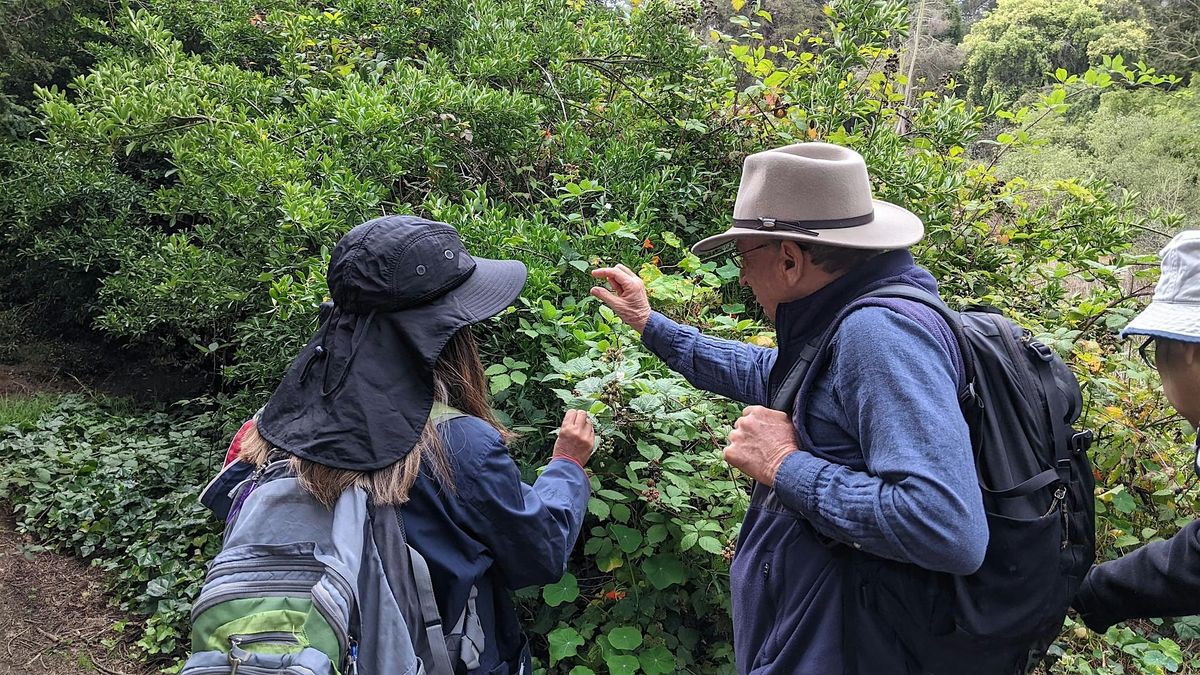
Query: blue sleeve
{"points": [[529, 529], [730, 368], [919, 499]]}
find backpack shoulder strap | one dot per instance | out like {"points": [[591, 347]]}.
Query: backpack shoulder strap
{"points": [[411, 583], [815, 353]]}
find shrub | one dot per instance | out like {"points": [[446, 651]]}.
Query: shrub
{"points": [[202, 169]]}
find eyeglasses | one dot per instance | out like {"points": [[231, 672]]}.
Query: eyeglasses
{"points": [[739, 259], [1147, 351]]}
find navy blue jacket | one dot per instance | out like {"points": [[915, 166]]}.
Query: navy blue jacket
{"points": [[494, 532], [1158, 579], [889, 468]]}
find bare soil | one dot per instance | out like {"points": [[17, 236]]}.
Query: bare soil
{"points": [[54, 617]]}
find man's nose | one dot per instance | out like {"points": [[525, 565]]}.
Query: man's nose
{"points": [[742, 277]]}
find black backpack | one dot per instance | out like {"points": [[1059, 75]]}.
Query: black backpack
{"points": [[1020, 401]]}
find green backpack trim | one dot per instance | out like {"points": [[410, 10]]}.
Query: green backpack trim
{"points": [[247, 617]]}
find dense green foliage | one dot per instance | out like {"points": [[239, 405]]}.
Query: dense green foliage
{"points": [[1013, 48], [121, 488], [186, 189], [1146, 141]]}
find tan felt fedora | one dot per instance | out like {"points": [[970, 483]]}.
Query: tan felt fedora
{"points": [[817, 193]]}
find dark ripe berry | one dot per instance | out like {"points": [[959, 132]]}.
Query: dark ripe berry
{"points": [[654, 470], [892, 64]]}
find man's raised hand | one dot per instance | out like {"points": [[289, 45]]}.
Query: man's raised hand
{"points": [[627, 297]]}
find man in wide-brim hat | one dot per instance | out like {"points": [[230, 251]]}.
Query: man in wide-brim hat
{"points": [[876, 455]]}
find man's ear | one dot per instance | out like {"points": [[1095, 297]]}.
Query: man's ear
{"points": [[794, 259]]}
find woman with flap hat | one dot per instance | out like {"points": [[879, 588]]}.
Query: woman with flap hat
{"points": [[390, 396], [1161, 578]]}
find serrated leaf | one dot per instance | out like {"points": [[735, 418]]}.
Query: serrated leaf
{"points": [[649, 451], [500, 383], [598, 508], [495, 369], [621, 513], [710, 544], [688, 541]]}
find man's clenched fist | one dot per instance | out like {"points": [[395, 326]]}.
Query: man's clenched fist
{"points": [[761, 439]]}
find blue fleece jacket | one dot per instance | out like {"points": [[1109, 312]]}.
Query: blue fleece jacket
{"points": [[885, 464]]}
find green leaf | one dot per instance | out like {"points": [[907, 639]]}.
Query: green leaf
{"points": [[621, 513], [581, 670], [500, 383], [625, 637], [1124, 502], [565, 590], [495, 369], [649, 451], [518, 377], [656, 533], [657, 661], [607, 562], [664, 570], [564, 643], [627, 538], [621, 664], [710, 544], [598, 508]]}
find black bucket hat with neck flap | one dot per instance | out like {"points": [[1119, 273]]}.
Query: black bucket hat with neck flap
{"points": [[360, 392]]}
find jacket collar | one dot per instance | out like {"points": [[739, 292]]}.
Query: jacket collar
{"points": [[799, 321]]}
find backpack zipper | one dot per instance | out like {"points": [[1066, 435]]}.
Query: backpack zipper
{"points": [[1060, 503], [328, 608], [1066, 517], [226, 568], [279, 636], [243, 589]]}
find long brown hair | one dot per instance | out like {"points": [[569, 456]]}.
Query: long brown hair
{"points": [[458, 381]]}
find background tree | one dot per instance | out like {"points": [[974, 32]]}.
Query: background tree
{"points": [[1174, 44], [1012, 49]]}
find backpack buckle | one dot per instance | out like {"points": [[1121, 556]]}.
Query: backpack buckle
{"points": [[1082, 440], [1044, 353]]}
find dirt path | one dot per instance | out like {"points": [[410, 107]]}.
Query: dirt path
{"points": [[53, 614], [54, 617]]}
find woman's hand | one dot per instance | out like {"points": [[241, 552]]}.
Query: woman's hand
{"points": [[576, 438]]}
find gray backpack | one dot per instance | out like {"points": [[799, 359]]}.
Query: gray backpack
{"points": [[302, 589]]}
